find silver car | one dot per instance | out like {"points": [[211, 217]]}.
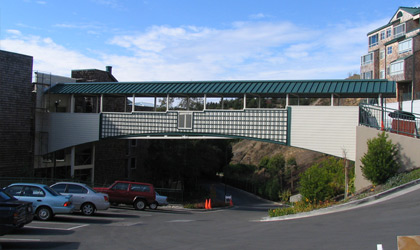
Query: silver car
{"points": [[161, 200], [84, 197]]}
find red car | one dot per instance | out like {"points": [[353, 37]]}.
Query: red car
{"points": [[137, 194]]}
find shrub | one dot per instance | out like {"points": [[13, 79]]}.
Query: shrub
{"points": [[315, 184], [381, 161]]}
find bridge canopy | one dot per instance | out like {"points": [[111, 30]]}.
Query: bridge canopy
{"points": [[264, 88]]}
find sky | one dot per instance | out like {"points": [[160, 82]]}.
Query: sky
{"points": [[193, 40]]}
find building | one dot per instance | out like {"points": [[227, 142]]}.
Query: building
{"points": [[16, 115], [93, 161], [394, 53]]}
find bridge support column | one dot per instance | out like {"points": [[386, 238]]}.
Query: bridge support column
{"points": [[72, 104], [72, 159]]}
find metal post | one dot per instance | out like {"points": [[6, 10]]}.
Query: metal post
{"points": [[332, 99], [205, 102], [72, 103], [244, 101], [101, 107], [287, 100], [72, 161], [133, 103], [167, 102]]}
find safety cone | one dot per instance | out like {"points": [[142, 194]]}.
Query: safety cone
{"points": [[206, 206], [209, 204], [231, 203], [382, 126]]}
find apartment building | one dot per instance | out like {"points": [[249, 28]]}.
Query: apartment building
{"points": [[394, 53]]}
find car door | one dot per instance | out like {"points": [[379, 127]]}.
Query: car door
{"points": [[32, 194], [118, 193], [79, 194]]}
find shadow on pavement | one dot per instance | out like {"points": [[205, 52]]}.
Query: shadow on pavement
{"points": [[39, 245]]}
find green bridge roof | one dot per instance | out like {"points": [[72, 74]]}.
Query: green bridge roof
{"points": [[264, 88]]}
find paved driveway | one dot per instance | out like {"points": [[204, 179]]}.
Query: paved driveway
{"points": [[240, 227]]}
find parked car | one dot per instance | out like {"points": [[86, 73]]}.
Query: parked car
{"points": [[137, 194], [84, 197], [13, 213], [45, 201], [161, 200]]}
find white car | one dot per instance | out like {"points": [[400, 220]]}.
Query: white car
{"points": [[161, 200], [84, 197]]}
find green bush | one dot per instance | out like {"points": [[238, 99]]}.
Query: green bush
{"points": [[381, 161], [315, 184]]}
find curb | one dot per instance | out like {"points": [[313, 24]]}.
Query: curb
{"points": [[344, 206]]}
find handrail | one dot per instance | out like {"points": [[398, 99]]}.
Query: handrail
{"points": [[391, 120]]}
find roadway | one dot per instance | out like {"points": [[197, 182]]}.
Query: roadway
{"points": [[242, 227]]}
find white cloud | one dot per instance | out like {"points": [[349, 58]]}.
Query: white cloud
{"points": [[49, 56], [246, 50]]}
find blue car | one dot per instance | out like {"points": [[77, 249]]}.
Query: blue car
{"points": [[45, 201]]}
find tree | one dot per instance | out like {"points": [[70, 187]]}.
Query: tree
{"points": [[315, 184], [381, 160]]}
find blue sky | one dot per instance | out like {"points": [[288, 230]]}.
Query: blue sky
{"points": [[160, 40]]}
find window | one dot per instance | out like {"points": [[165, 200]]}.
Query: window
{"points": [[120, 186], [388, 32], [76, 189], [33, 192], [367, 75], [373, 40], [140, 188], [396, 68], [405, 46], [382, 54], [61, 188], [382, 74], [383, 35], [367, 59], [389, 50], [15, 190], [399, 30], [185, 120], [133, 163]]}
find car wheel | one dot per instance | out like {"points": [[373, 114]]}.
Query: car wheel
{"points": [[153, 206], [139, 205], [44, 213], [87, 209]]}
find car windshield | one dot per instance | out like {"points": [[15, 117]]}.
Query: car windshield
{"points": [[5, 196], [51, 191]]}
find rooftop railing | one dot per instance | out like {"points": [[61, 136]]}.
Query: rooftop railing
{"points": [[391, 120]]}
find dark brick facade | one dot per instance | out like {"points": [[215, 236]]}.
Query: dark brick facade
{"points": [[16, 115]]}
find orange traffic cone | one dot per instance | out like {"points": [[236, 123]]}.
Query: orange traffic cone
{"points": [[206, 206], [382, 126], [231, 203], [209, 204]]}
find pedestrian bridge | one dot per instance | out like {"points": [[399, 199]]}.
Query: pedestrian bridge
{"points": [[89, 112]]}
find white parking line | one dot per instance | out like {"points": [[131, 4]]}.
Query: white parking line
{"points": [[12, 239]]}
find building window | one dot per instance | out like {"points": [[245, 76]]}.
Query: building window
{"points": [[367, 59], [382, 54], [132, 163], [367, 75], [389, 50], [373, 40], [388, 32], [383, 35], [382, 74], [405, 46], [399, 30], [185, 121], [396, 68]]}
